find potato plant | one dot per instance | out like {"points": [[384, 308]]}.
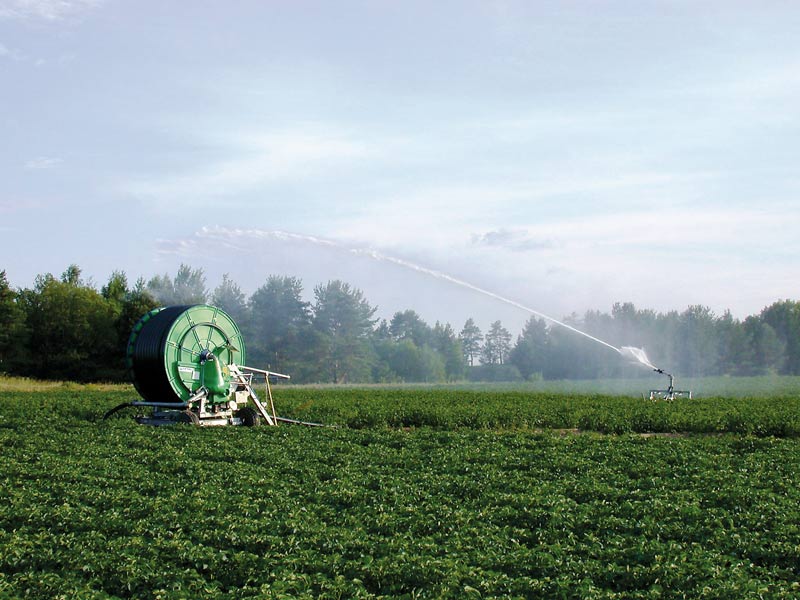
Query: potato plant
{"points": [[448, 509], [458, 409]]}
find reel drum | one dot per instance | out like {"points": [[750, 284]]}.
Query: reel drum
{"points": [[174, 352]]}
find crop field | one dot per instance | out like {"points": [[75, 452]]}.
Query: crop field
{"points": [[416, 494], [702, 387]]}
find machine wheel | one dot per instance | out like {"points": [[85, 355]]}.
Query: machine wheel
{"points": [[188, 417], [250, 417], [168, 345]]}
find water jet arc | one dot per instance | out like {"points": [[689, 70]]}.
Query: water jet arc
{"points": [[375, 255], [635, 355]]}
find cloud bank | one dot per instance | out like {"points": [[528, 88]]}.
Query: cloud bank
{"points": [[47, 10]]}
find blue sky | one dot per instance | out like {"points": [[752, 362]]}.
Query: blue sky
{"points": [[566, 155]]}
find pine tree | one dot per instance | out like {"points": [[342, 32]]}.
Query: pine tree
{"points": [[343, 321], [496, 345], [471, 341]]}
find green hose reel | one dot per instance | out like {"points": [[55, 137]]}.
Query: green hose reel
{"points": [[177, 351]]}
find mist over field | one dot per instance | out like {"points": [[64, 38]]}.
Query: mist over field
{"points": [[392, 282]]}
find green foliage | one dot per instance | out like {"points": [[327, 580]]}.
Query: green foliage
{"points": [[277, 331], [408, 325], [229, 297], [136, 302], [111, 509], [72, 276], [494, 373], [71, 328], [529, 354], [116, 289], [699, 353], [343, 320], [784, 318], [127, 306], [471, 341], [449, 348], [459, 408], [411, 363], [694, 343], [767, 351], [496, 345], [336, 339], [13, 335], [188, 287]]}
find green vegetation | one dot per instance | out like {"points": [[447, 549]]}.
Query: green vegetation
{"points": [[516, 410], [66, 328], [439, 493]]}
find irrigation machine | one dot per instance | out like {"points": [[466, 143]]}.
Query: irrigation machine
{"points": [[188, 365], [670, 393], [637, 356]]}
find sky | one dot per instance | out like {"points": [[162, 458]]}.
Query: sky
{"points": [[564, 155]]}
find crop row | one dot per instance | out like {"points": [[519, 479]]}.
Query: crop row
{"points": [[450, 409], [454, 409], [702, 387], [111, 509]]}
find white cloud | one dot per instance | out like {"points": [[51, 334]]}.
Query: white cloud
{"points": [[663, 227], [48, 10], [43, 162], [747, 83], [517, 240], [258, 161], [18, 56], [455, 214], [658, 257], [10, 53]]}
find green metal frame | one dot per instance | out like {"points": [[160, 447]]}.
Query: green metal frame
{"points": [[197, 329]]}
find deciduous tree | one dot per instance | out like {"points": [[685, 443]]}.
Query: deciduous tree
{"points": [[784, 318], [13, 334], [448, 345], [72, 332]]}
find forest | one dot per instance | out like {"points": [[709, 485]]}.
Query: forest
{"points": [[65, 328]]}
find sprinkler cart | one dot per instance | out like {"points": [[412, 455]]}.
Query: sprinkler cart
{"points": [[187, 363], [670, 393]]}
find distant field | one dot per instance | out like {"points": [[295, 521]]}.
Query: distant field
{"points": [[438, 494], [701, 387], [732, 387], [512, 410], [24, 384]]}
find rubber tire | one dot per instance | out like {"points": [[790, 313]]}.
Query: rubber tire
{"points": [[188, 417], [250, 417]]}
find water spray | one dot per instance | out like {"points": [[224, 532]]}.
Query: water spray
{"points": [[379, 256], [639, 357], [635, 355]]}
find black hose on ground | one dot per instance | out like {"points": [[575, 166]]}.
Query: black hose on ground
{"points": [[117, 408]]}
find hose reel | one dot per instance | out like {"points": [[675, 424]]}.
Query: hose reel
{"points": [[188, 364], [175, 351]]}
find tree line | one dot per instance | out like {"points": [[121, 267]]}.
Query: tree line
{"points": [[67, 328]]}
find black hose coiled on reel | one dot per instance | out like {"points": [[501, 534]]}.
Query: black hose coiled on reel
{"points": [[146, 355]]}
